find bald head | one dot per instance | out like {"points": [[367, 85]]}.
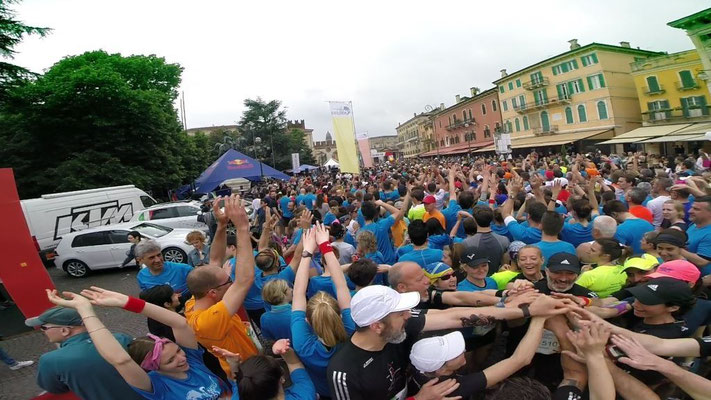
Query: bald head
{"points": [[408, 276], [201, 280], [604, 227]]}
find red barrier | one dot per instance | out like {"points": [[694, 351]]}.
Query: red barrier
{"points": [[21, 271]]}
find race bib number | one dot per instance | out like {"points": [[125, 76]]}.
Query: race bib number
{"points": [[549, 343], [401, 395]]}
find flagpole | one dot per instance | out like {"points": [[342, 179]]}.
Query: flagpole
{"points": [[361, 162]]}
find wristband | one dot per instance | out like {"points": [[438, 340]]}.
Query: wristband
{"points": [[492, 201], [325, 248], [586, 300], [134, 305], [526, 312]]}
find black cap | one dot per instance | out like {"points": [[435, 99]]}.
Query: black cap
{"points": [[473, 256], [663, 291], [563, 262]]}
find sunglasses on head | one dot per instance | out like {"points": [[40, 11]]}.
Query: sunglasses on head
{"points": [[446, 277]]}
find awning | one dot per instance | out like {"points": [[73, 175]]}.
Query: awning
{"points": [[485, 149], [558, 139], [459, 148], [645, 132], [695, 129], [674, 138], [694, 138]]}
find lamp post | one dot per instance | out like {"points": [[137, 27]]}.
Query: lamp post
{"points": [[257, 143]]}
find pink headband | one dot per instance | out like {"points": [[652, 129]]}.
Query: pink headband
{"points": [[152, 360]]}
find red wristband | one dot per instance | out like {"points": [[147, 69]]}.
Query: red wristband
{"points": [[134, 305], [586, 300], [492, 201], [325, 247]]}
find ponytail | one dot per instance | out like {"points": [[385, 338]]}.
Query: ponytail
{"points": [[324, 315], [258, 378], [614, 249]]}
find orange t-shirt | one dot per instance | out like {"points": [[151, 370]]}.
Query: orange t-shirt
{"points": [[398, 230], [436, 214], [217, 327]]}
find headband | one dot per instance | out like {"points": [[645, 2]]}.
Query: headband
{"points": [[152, 360], [670, 239]]}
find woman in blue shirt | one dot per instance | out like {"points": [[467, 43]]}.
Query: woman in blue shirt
{"points": [[276, 323], [320, 326], [175, 370], [261, 377]]}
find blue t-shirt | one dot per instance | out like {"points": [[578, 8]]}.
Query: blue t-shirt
{"points": [[329, 218], [254, 300], [524, 233], [314, 354], [422, 257], [201, 384], [467, 286], [173, 274], [284, 204], [450, 217], [390, 196], [404, 249], [502, 230], [309, 200], [350, 239], [300, 200], [381, 230], [631, 231], [276, 324], [321, 283], [550, 248], [360, 219], [700, 242], [439, 241], [576, 234], [381, 277]]}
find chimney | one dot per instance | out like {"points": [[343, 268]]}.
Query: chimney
{"points": [[625, 44], [503, 73], [474, 91], [441, 106], [457, 98], [415, 114], [574, 44]]}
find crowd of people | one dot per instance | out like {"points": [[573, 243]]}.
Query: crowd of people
{"points": [[568, 276]]}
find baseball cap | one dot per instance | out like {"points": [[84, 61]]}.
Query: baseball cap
{"points": [[564, 262], [663, 291], [429, 199], [458, 184], [646, 262], [429, 355], [57, 316], [473, 256], [514, 248], [436, 270], [375, 302], [678, 269]]}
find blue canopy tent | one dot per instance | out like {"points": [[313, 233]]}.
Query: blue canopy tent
{"points": [[302, 168], [234, 164]]}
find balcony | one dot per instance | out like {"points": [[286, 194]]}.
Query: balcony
{"points": [[461, 123], [690, 114], [535, 84], [543, 131], [551, 102], [652, 91], [522, 108], [682, 86]]}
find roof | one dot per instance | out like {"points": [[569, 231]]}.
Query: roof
{"points": [[701, 17], [420, 115], [464, 99], [582, 49]]}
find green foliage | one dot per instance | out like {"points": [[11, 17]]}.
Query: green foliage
{"points": [[97, 119]]}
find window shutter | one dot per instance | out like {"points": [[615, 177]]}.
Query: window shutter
{"points": [[664, 104], [651, 106], [518, 83], [687, 80], [525, 123], [652, 83], [594, 58], [585, 61], [701, 101], [582, 117], [518, 125], [590, 83], [602, 80], [570, 88], [568, 115], [555, 70], [564, 67], [501, 89], [575, 64], [685, 106], [560, 91], [580, 83], [601, 110]]}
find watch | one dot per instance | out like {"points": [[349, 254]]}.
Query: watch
{"points": [[524, 308], [306, 254]]}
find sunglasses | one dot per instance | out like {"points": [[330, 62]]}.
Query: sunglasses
{"points": [[44, 327], [229, 281], [446, 277]]}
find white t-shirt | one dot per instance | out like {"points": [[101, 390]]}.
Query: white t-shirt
{"points": [[655, 206]]}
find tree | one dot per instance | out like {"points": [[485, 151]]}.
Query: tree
{"points": [[12, 32], [97, 119]]}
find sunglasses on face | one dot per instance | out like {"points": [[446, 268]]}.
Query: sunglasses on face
{"points": [[44, 327], [446, 277]]}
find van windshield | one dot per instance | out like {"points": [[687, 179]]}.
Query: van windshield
{"points": [[152, 230], [148, 201]]}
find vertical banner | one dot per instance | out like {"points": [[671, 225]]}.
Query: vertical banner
{"points": [[21, 270], [364, 147], [295, 163], [344, 133]]}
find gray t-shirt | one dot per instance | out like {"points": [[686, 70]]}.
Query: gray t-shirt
{"points": [[495, 244], [345, 252]]}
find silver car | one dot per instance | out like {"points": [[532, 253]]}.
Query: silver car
{"points": [[103, 247]]}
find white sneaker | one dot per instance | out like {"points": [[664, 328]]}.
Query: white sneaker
{"points": [[21, 364]]}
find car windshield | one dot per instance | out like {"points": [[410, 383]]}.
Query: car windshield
{"points": [[152, 230]]}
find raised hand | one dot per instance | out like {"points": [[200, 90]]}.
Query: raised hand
{"points": [[235, 211], [321, 233], [102, 297], [281, 346], [219, 213], [636, 355], [309, 238], [70, 300], [546, 306], [227, 355], [305, 219]]}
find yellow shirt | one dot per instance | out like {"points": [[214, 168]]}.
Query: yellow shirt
{"points": [[398, 230], [603, 280], [502, 278], [217, 327]]}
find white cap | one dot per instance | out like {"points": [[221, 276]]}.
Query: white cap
{"points": [[563, 181], [375, 302], [429, 355]]}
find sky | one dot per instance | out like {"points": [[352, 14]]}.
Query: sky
{"points": [[390, 58]]}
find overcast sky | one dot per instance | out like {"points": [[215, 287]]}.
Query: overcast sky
{"points": [[390, 58]]}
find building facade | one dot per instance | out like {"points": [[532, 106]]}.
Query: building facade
{"points": [[299, 125], [325, 150], [409, 141], [468, 124], [383, 143], [585, 93], [698, 27]]}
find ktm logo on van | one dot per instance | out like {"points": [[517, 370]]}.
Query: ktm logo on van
{"points": [[92, 215]]}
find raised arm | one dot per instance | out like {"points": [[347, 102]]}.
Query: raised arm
{"points": [[218, 246], [267, 227], [343, 294], [244, 263], [591, 341], [301, 282], [521, 357]]}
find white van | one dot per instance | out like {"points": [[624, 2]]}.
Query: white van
{"points": [[52, 215]]}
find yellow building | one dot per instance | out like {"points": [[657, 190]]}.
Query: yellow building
{"points": [[698, 27], [586, 93], [410, 133], [674, 103]]}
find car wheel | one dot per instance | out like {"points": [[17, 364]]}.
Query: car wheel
{"points": [[174, 254], [76, 268]]}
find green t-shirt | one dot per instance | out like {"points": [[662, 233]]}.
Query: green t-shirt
{"points": [[417, 212], [502, 278], [603, 280]]}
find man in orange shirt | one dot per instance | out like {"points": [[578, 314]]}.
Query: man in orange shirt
{"points": [[635, 198], [431, 211], [212, 312]]}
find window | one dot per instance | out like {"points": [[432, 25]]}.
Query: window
{"points": [[569, 115], [501, 89], [440, 123], [470, 114], [518, 83], [545, 122], [694, 106], [525, 122], [186, 211], [582, 115], [575, 86], [508, 126], [563, 92], [540, 96], [601, 110], [510, 85], [162, 213], [589, 59], [565, 67], [483, 108], [596, 82], [118, 236], [687, 80], [517, 124], [653, 85], [147, 201], [493, 105], [522, 101], [91, 239], [659, 110], [464, 114], [504, 105], [513, 103], [536, 77], [487, 132]]}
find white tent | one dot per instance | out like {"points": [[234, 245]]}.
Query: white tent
{"points": [[332, 163]]}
